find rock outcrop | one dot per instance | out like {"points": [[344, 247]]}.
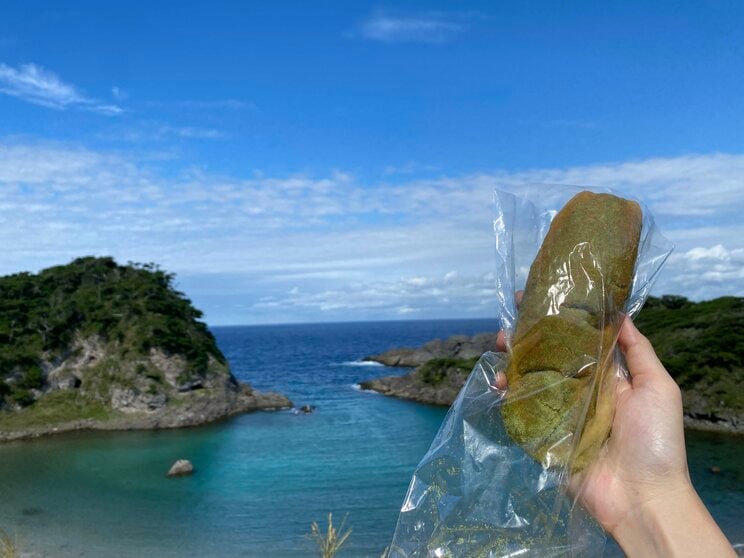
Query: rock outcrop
{"points": [[414, 388], [181, 468], [456, 347], [438, 380], [699, 343], [158, 391], [441, 368], [136, 358]]}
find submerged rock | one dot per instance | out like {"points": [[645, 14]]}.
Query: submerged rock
{"points": [[31, 511]]}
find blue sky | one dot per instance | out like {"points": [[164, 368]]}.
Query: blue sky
{"points": [[298, 161]]}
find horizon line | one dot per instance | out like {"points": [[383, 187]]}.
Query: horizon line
{"points": [[353, 322]]}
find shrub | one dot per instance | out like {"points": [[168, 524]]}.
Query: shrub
{"points": [[23, 397], [435, 371], [32, 379], [8, 547]]}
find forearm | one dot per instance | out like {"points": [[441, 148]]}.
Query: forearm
{"points": [[676, 526]]}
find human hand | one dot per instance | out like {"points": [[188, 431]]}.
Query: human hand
{"points": [[645, 458], [639, 489]]}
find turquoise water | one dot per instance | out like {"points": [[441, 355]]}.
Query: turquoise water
{"points": [[261, 479]]}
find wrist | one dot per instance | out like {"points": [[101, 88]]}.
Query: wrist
{"points": [[644, 531], [671, 523]]}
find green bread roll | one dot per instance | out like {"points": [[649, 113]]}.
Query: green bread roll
{"points": [[559, 404]]}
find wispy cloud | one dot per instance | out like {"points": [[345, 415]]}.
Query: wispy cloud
{"points": [[118, 93], [192, 132], [409, 168], [232, 104], [143, 132], [213, 104], [426, 27], [39, 86], [302, 247]]}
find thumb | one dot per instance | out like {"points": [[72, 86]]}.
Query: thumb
{"points": [[643, 364]]}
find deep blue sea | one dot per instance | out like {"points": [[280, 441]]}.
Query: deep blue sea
{"points": [[261, 479]]}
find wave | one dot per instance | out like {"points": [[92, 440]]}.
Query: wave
{"points": [[361, 363], [358, 387]]}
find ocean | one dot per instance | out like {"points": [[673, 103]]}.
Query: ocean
{"points": [[261, 479]]}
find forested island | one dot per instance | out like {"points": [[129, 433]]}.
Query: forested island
{"points": [[98, 345], [700, 343]]}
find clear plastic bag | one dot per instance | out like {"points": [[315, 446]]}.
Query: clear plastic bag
{"points": [[494, 481]]}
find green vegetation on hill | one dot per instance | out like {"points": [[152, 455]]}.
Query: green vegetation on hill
{"points": [[702, 346], [435, 371], [130, 308]]}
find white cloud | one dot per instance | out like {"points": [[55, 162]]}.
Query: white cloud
{"points": [[702, 270], [425, 295], [36, 85], [403, 310], [690, 185], [331, 246], [118, 93], [717, 252], [145, 131], [430, 27], [192, 132], [410, 167]]}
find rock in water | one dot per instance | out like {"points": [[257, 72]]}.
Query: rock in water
{"points": [[181, 468]]}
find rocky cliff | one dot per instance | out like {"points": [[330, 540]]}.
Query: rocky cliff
{"points": [[98, 345]]}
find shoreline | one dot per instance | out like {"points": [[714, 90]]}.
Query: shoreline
{"points": [[407, 387], [719, 426], [200, 411], [89, 425]]}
